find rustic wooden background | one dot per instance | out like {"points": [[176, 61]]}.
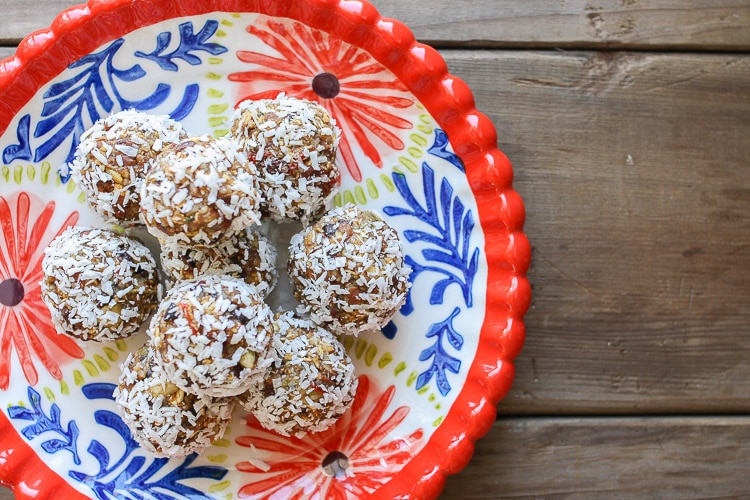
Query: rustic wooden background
{"points": [[628, 125]]}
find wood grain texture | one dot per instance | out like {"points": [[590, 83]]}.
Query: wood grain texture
{"points": [[608, 458], [633, 168], [643, 24]]}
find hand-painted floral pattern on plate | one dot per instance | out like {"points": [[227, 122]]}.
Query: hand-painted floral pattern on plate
{"points": [[57, 393]]}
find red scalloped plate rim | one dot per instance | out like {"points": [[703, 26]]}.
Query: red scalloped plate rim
{"points": [[81, 29]]}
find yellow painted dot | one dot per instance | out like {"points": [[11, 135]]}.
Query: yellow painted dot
{"points": [[423, 390], [217, 121], [18, 174], [217, 109], [213, 76], [348, 342], [71, 186], [348, 198], [78, 378], [438, 421], [425, 118], [64, 389], [370, 354], [425, 129], [418, 140], [415, 152], [111, 354], [359, 194], [31, 172], [90, 367], [221, 33], [384, 360], [50, 395], [227, 22], [411, 378], [221, 132], [46, 169], [399, 368], [438, 406], [215, 60], [101, 362], [222, 442], [359, 348], [410, 165], [6, 173], [216, 458], [81, 198], [216, 488], [431, 398], [121, 345], [372, 189], [388, 183], [337, 200], [215, 93]]}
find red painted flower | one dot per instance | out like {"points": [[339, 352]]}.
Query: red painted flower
{"points": [[349, 460], [359, 92], [25, 322]]}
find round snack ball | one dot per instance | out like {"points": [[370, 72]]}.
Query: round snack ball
{"points": [[348, 271], [309, 384], [199, 192], [99, 284], [163, 418], [293, 144], [247, 255], [113, 157], [208, 334]]}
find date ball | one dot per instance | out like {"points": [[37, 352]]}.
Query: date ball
{"points": [[309, 383], [348, 271], [200, 192], [208, 334], [293, 143], [99, 284], [114, 156], [247, 255], [163, 418]]}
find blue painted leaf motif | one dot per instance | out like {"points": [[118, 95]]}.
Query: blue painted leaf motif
{"points": [[189, 42], [134, 475], [439, 148], [44, 424], [442, 361], [452, 226], [22, 150], [73, 105]]}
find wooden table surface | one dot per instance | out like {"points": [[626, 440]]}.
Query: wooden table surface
{"points": [[628, 125]]}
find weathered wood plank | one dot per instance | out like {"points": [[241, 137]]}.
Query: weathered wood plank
{"points": [[650, 24], [633, 168], [601, 458]]}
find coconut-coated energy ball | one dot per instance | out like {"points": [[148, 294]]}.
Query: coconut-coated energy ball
{"points": [[293, 143], [200, 192], [309, 383], [208, 335], [348, 271], [113, 157], [248, 255], [99, 284], [163, 418]]}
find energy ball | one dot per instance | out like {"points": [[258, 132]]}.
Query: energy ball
{"points": [[200, 192], [163, 418], [114, 156], [247, 255], [99, 284], [309, 384], [348, 271], [208, 335], [293, 144]]}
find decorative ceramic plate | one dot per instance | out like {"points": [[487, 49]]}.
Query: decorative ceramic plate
{"points": [[413, 147]]}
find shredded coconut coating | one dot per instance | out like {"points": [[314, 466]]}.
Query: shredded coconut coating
{"points": [[208, 334], [348, 271], [248, 255], [163, 418], [98, 284], [293, 143], [113, 157], [309, 384], [200, 192]]}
